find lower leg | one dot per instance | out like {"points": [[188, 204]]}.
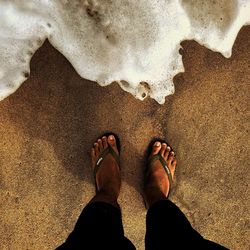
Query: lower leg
{"points": [[167, 226], [100, 223], [105, 197], [156, 189]]}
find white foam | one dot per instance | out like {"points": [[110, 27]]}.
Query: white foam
{"points": [[135, 43]]}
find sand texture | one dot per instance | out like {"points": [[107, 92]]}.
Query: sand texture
{"points": [[48, 126]]}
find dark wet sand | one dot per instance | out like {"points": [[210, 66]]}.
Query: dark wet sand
{"points": [[48, 126]]}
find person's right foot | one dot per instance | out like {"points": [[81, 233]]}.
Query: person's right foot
{"points": [[156, 186], [108, 178]]}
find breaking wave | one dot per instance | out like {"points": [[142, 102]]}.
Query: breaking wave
{"points": [[134, 43]]}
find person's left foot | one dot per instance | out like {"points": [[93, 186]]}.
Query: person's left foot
{"points": [[157, 184], [108, 178]]}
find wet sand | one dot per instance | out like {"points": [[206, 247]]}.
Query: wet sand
{"points": [[48, 126]]}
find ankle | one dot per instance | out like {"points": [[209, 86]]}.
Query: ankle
{"points": [[152, 196], [111, 191], [103, 196]]}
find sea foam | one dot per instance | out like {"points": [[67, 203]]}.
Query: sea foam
{"points": [[133, 43]]}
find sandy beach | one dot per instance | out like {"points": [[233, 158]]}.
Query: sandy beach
{"points": [[48, 126]]}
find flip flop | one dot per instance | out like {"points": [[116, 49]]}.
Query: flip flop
{"points": [[156, 157], [105, 152]]}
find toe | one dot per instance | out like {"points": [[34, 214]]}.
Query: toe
{"points": [[174, 163], [167, 151], [93, 155], [99, 141], [163, 149], [156, 148], [112, 142], [96, 148], [105, 142], [170, 158]]}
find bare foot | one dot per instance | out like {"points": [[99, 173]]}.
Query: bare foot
{"points": [[157, 184], [108, 178]]}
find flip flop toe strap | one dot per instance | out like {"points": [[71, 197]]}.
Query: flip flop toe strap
{"points": [[164, 165], [105, 152]]}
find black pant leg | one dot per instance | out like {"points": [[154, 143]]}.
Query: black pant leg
{"points": [[168, 228], [98, 227]]}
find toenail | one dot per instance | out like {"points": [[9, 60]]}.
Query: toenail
{"points": [[168, 148], [104, 137], [172, 153], [111, 137], [95, 144], [157, 144], [164, 144]]}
